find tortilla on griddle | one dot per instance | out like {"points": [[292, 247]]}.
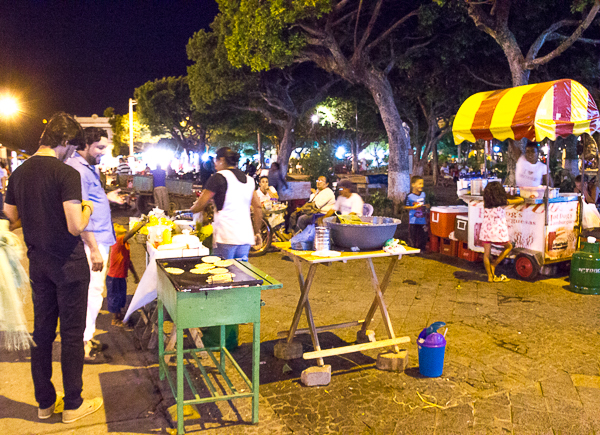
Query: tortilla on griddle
{"points": [[211, 259], [174, 270], [224, 263], [218, 271]]}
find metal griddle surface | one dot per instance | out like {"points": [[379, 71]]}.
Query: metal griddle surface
{"points": [[189, 282]]}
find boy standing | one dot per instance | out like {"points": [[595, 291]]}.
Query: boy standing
{"points": [[119, 264], [415, 203]]}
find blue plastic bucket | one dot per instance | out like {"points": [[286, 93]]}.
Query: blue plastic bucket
{"points": [[432, 348]]}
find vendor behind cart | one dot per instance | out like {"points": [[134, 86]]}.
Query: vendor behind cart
{"points": [[234, 196], [530, 172]]}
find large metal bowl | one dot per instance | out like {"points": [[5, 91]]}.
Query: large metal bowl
{"points": [[365, 237]]}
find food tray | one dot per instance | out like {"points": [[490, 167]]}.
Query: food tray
{"points": [[189, 282]]}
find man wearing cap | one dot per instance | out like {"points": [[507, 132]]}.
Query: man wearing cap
{"points": [[44, 197], [347, 202], [99, 235]]}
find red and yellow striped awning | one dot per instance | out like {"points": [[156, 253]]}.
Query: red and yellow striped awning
{"points": [[535, 112]]}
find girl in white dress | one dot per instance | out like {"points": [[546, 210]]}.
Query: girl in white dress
{"points": [[494, 229]]}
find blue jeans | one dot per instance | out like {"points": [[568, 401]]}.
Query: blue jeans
{"points": [[228, 252], [116, 293]]}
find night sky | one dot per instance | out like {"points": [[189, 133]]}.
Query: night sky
{"points": [[85, 56]]}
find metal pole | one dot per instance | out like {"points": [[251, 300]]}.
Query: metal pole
{"points": [[131, 103], [547, 192]]}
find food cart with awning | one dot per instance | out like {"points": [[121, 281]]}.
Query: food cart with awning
{"points": [[543, 230]]}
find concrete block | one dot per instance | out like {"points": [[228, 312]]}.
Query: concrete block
{"points": [[366, 337], [392, 362], [315, 376], [285, 350]]}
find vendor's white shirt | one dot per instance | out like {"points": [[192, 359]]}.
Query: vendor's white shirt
{"points": [[324, 199], [354, 204], [528, 175], [266, 196]]}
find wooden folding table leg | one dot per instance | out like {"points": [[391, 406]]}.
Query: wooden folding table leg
{"points": [[384, 284], [304, 288], [379, 301]]}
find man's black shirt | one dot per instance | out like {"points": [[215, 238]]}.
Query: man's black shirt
{"points": [[38, 189]]}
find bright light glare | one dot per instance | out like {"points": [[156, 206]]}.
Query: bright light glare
{"points": [[8, 106], [496, 149], [314, 119], [158, 156], [204, 157], [340, 152], [545, 149]]}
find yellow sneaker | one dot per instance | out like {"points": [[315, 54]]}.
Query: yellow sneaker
{"points": [[87, 407]]}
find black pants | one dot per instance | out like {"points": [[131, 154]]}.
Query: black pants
{"points": [[60, 290], [418, 237]]}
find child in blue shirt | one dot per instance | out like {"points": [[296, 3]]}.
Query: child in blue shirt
{"points": [[415, 203]]}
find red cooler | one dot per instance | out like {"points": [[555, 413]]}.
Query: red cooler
{"points": [[442, 219]]}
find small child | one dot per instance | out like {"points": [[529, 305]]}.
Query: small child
{"points": [[118, 265], [494, 229], [415, 203]]}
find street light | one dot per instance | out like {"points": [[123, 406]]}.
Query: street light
{"points": [[8, 107], [314, 118]]}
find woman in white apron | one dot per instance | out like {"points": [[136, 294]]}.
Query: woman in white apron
{"points": [[235, 230]]}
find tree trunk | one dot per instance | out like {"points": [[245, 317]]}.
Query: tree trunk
{"points": [[286, 146], [419, 167], [434, 163], [261, 154], [354, 146], [399, 141]]}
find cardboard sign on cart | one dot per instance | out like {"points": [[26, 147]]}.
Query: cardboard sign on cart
{"points": [[526, 227]]}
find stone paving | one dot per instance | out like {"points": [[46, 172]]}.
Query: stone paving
{"points": [[522, 358]]}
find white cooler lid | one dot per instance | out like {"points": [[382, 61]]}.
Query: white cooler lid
{"points": [[451, 209]]}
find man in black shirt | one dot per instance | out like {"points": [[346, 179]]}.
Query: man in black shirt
{"points": [[44, 197]]}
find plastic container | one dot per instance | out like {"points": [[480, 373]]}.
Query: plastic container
{"points": [[432, 349], [461, 228], [442, 219], [532, 192], [448, 247], [466, 254], [585, 269], [321, 239]]}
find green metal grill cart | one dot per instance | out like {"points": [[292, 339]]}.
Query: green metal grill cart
{"points": [[193, 302]]}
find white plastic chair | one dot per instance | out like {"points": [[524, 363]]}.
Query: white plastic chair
{"points": [[367, 210]]}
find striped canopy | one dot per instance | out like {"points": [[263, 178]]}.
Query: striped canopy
{"points": [[535, 112]]}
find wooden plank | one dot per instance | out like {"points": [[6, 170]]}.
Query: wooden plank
{"points": [[355, 348], [284, 334]]}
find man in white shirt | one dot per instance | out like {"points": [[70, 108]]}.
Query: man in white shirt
{"points": [[529, 171]]}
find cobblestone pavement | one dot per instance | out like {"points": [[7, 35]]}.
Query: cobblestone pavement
{"points": [[521, 358]]}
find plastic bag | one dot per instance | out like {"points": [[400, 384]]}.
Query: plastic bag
{"points": [[591, 216], [306, 235]]}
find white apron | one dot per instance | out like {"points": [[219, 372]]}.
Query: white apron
{"points": [[232, 225]]}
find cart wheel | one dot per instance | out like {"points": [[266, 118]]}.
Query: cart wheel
{"points": [[267, 234], [526, 267], [173, 206]]}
